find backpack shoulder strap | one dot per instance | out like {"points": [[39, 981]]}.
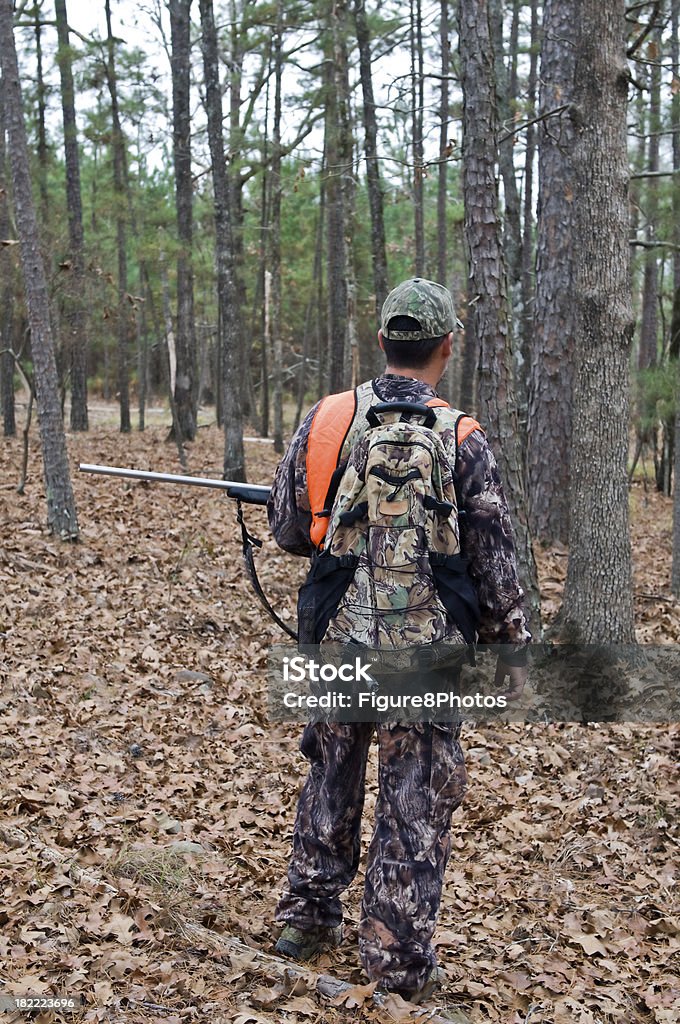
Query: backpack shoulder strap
{"points": [[464, 425], [327, 434]]}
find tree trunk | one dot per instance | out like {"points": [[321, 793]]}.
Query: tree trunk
{"points": [[674, 343], [549, 424], [675, 569], [320, 327], [336, 156], [7, 293], [498, 410], [171, 363], [373, 180], [469, 356], [275, 241], [674, 349], [528, 262], [310, 314], [156, 372], [353, 367], [444, 133], [649, 327], [266, 333], [264, 310], [236, 180], [61, 510], [77, 318], [234, 461], [42, 131], [450, 385], [512, 237], [186, 381], [352, 358], [417, 104], [598, 595], [120, 191], [142, 360]]}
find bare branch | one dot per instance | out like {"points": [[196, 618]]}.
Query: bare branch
{"points": [[535, 120], [655, 174], [654, 245]]}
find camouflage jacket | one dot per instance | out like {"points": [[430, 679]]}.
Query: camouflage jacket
{"points": [[486, 530]]}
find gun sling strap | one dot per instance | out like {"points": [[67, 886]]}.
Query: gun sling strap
{"points": [[249, 544]]}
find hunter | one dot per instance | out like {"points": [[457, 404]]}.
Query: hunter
{"points": [[421, 773]]}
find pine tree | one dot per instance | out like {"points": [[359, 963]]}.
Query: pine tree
{"points": [[598, 596], [77, 312], [61, 510]]}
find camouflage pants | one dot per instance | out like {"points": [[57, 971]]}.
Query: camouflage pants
{"points": [[421, 778]]}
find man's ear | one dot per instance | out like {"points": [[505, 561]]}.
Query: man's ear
{"points": [[447, 345], [380, 339]]}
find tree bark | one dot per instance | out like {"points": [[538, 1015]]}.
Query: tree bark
{"points": [[469, 360], [675, 566], [674, 341], [77, 318], [321, 328], [120, 191], [528, 259], [262, 290], [549, 422], [310, 316], [512, 232], [7, 293], [234, 460], [674, 347], [275, 240], [186, 380], [336, 133], [498, 410], [373, 179], [352, 358], [417, 104], [142, 353], [42, 130], [443, 170], [598, 595], [61, 509], [649, 326], [236, 179]]}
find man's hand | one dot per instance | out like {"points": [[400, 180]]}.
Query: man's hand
{"points": [[517, 674]]}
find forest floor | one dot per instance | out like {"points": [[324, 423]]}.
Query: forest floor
{"points": [[145, 789]]}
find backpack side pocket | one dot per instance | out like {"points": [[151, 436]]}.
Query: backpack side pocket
{"points": [[321, 593], [456, 591]]}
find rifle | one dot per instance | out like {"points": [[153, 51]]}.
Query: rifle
{"points": [[250, 494]]}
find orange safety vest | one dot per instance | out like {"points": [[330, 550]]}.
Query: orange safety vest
{"points": [[328, 432]]}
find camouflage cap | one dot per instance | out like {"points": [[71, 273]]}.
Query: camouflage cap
{"points": [[425, 301]]}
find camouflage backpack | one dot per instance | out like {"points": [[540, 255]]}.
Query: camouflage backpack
{"points": [[391, 575]]}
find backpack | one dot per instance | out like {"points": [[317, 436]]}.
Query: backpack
{"points": [[390, 575]]}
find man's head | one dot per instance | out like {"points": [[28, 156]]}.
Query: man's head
{"points": [[418, 319]]}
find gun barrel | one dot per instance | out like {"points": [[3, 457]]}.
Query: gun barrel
{"points": [[253, 494]]}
